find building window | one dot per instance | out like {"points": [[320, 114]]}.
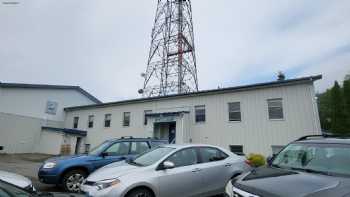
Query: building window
{"points": [[75, 122], [91, 121], [126, 119], [234, 111], [200, 113], [145, 117], [108, 118], [275, 109], [237, 149]]}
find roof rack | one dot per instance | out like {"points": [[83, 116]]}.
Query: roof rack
{"points": [[324, 135], [126, 137]]}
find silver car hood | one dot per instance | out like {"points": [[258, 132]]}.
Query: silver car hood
{"points": [[113, 170], [15, 179]]}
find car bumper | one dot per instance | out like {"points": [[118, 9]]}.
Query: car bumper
{"points": [[48, 177], [241, 193], [90, 191]]}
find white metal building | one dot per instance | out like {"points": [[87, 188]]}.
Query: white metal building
{"points": [[251, 118], [32, 117]]}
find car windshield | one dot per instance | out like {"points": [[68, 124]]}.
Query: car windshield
{"points": [[152, 156], [8, 190], [98, 149], [330, 159]]}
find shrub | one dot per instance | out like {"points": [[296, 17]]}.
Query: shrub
{"points": [[256, 160]]}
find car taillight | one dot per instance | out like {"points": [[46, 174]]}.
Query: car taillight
{"points": [[248, 162]]}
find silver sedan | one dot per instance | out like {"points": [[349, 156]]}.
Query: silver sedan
{"points": [[168, 171]]}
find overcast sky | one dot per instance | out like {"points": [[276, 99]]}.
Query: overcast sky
{"points": [[102, 45]]}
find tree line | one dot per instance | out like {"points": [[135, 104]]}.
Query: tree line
{"points": [[334, 108]]}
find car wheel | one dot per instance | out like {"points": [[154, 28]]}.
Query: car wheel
{"points": [[228, 189], [142, 192], [73, 179]]}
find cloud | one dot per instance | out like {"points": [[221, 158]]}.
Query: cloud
{"points": [[103, 45]]}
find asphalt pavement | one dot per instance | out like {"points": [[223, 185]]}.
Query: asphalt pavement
{"points": [[28, 166]]}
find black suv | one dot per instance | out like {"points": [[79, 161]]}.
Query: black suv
{"points": [[312, 166]]}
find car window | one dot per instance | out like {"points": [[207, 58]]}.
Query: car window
{"points": [[329, 158], [3, 193], [138, 147], [98, 149], [7, 190], [152, 156], [184, 157], [119, 148], [209, 154]]}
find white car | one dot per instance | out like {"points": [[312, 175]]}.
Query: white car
{"points": [[17, 180], [168, 171]]}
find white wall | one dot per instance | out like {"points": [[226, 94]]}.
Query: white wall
{"points": [[256, 132], [49, 143], [20, 134], [22, 114], [32, 102]]}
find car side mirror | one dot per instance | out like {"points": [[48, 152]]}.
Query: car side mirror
{"points": [[104, 154], [168, 165]]}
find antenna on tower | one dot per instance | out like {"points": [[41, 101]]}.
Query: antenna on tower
{"points": [[171, 64]]}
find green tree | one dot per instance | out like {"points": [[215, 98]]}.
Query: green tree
{"points": [[338, 117], [346, 93], [325, 109]]}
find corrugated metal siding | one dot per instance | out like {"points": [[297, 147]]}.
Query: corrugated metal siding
{"points": [[256, 132]]}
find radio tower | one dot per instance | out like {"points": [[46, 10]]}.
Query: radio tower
{"points": [[171, 66]]}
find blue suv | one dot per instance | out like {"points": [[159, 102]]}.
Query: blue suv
{"points": [[70, 171]]}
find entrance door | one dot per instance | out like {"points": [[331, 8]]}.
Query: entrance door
{"points": [[172, 132], [77, 145], [165, 131]]}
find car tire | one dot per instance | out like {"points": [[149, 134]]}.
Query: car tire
{"points": [[73, 179], [141, 192]]}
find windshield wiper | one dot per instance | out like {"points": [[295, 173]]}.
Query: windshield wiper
{"points": [[276, 166], [132, 162], [312, 171]]}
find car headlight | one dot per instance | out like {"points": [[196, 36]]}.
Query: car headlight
{"points": [[49, 165], [106, 183]]}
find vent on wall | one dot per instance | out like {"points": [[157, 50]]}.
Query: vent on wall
{"points": [[1, 148]]}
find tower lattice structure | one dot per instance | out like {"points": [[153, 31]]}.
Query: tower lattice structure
{"points": [[171, 65]]}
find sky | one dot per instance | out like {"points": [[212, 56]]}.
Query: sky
{"points": [[102, 45]]}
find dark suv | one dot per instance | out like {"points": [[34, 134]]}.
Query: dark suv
{"points": [[70, 171], [312, 166]]}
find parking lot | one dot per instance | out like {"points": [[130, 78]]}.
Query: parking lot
{"points": [[26, 165]]}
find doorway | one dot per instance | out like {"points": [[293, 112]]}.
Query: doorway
{"points": [[77, 145], [165, 131]]}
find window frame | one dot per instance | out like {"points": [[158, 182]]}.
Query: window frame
{"points": [[124, 119], [197, 121], [268, 108], [91, 123], [75, 122], [240, 111], [109, 121]]}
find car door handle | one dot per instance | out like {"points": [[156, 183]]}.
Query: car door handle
{"points": [[196, 170], [228, 165]]}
